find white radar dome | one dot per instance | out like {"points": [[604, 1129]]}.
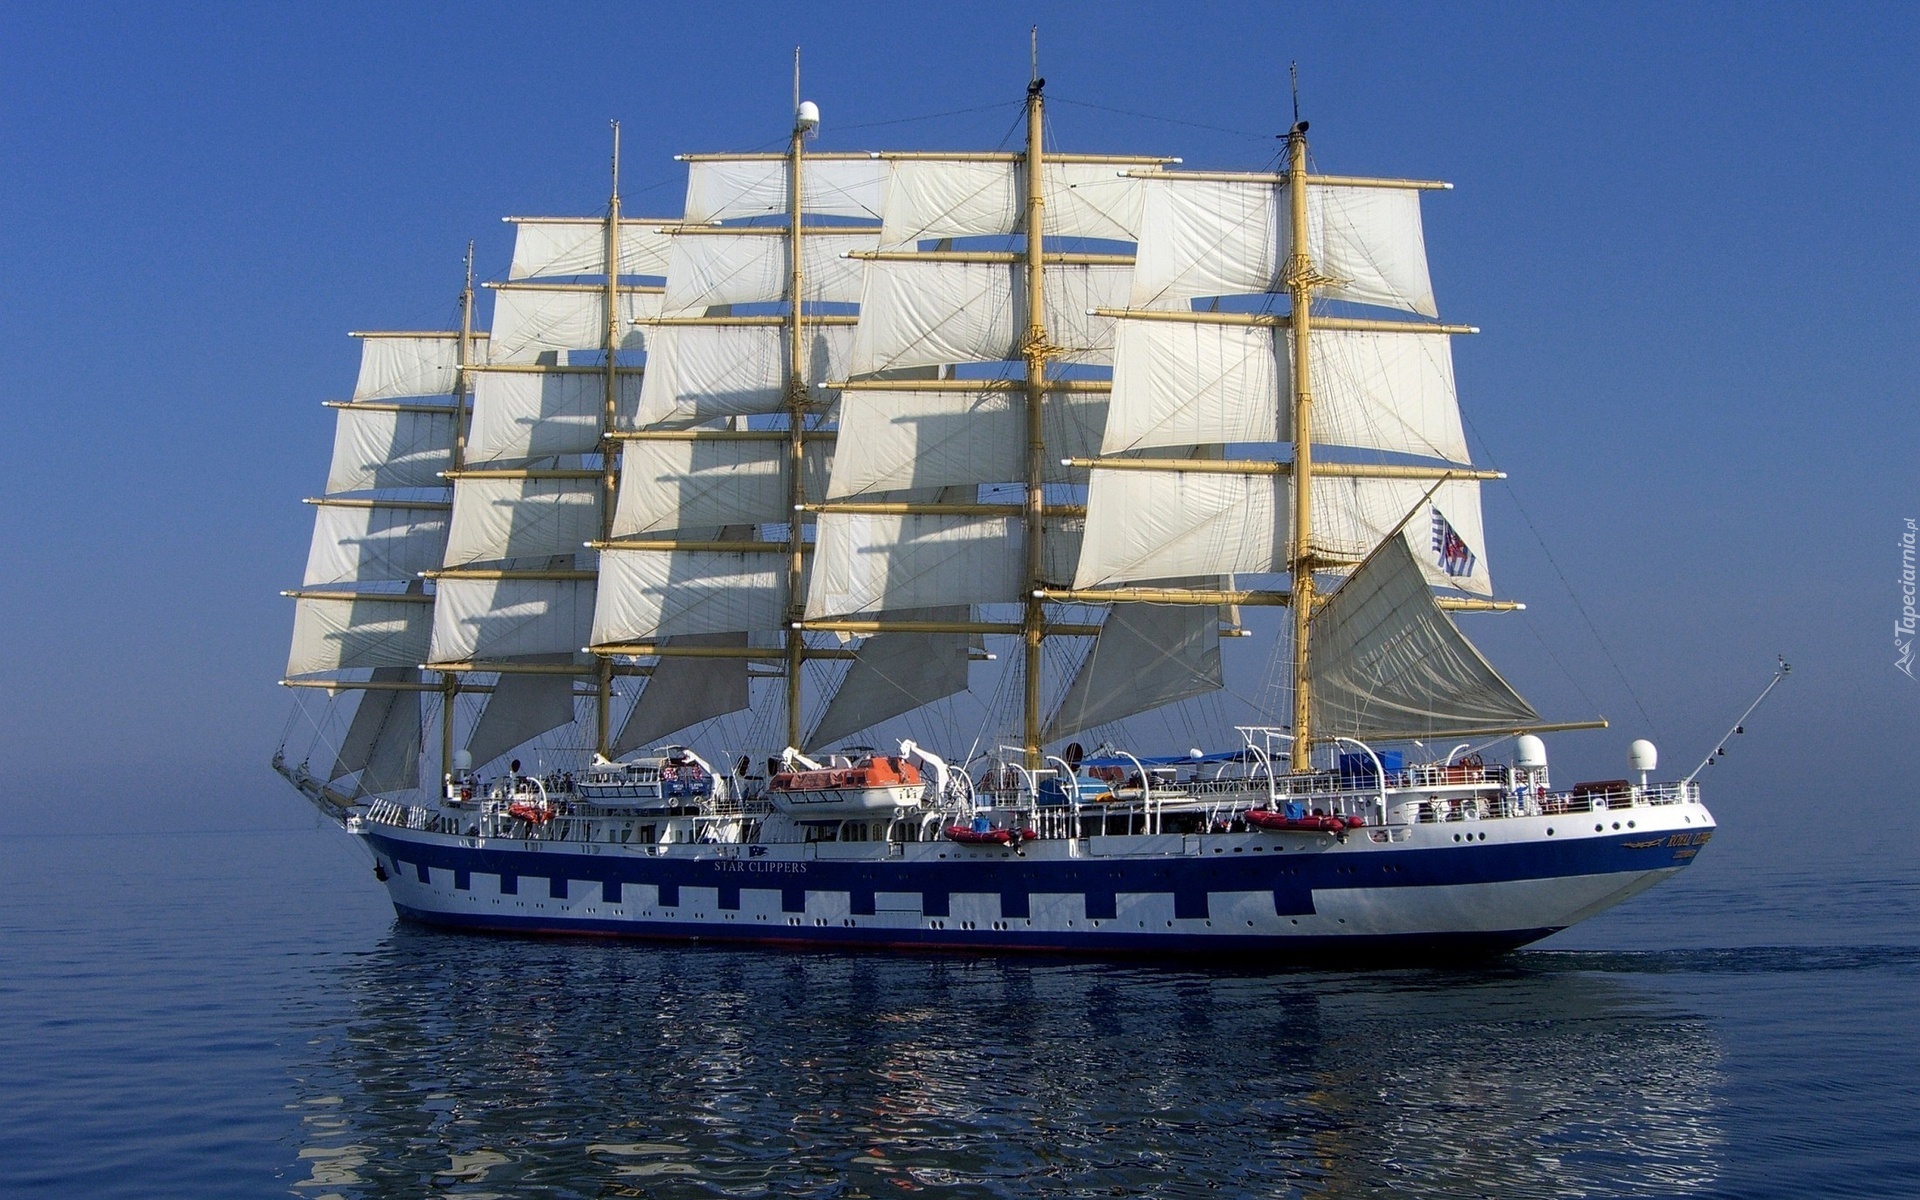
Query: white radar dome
{"points": [[1641, 756], [463, 760], [1530, 751], [808, 115]]}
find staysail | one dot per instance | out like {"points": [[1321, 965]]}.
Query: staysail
{"points": [[685, 690], [1388, 662], [1145, 657], [896, 673]]}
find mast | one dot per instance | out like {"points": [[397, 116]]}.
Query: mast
{"points": [[609, 448], [1300, 279], [1033, 623], [797, 398], [462, 401]]}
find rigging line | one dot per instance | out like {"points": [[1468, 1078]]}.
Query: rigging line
{"points": [[957, 112], [1156, 117], [1527, 621], [1019, 120], [1513, 494]]}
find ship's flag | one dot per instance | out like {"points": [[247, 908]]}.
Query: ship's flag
{"points": [[1450, 549]]}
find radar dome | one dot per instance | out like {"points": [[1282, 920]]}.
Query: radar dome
{"points": [[1530, 751], [808, 115], [1641, 756], [463, 760]]}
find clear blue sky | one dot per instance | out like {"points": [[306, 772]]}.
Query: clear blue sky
{"points": [[1688, 231]]}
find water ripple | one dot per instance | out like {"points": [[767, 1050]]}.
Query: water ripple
{"points": [[214, 1017]]}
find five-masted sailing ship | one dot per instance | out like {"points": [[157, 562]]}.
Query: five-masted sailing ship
{"points": [[888, 410]]}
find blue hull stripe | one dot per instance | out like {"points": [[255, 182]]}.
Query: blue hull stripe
{"points": [[1269, 951]]}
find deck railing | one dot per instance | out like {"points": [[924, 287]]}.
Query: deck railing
{"points": [[1418, 795]]}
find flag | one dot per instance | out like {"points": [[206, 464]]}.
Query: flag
{"points": [[1450, 549]]}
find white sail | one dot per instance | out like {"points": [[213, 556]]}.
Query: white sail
{"points": [[1206, 237], [1177, 384], [699, 372], [354, 543], [530, 320], [557, 246], [866, 562], [522, 415], [368, 630], [896, 673], [930, 199], [684, 691], [1146, 656], [383, 740], [499, 619], [1157, 525], [926, 312], [381, 448], [728, 189], [646, 595], [397, 365], [1386, 660], [709, 269], [498, 519], [521, 708], [670, 485], [893, 440]]}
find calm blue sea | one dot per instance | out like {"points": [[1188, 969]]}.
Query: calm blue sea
{"points": [[210, 1014]]}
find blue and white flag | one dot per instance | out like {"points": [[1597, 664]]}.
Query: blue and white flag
{"points": [[1450, 549]]}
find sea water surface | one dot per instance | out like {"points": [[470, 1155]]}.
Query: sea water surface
{"points": [[212, 1013]]}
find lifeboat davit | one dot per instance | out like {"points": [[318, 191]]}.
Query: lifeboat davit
{"points": [[1263, 818]]}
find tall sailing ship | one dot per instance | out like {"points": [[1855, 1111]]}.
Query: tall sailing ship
{"points": [[719, 494]]}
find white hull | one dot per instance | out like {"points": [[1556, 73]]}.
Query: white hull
{"points": [[1489, 884]]}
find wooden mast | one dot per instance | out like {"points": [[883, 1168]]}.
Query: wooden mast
{"points": [[609, 446], [1036, 352], [1301, 278], [797, 403], [462, 401]]}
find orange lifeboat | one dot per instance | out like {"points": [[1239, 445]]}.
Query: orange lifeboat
{"points": [[875, 783]]}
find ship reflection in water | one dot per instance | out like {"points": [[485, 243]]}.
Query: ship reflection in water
{"points": [[496, 1067]]}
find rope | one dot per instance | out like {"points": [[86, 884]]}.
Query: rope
{"points": [[1165, 120], [1514, 495], [956, 112]]}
